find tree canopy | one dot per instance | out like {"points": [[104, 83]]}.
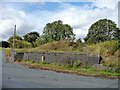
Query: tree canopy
{"points": [[19, 42], [79, 40], [102, 30], [16, 37], [4, 44], [56, 31], [31, 37]]}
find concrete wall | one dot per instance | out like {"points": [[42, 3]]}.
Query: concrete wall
{"points": [[57, 57]]}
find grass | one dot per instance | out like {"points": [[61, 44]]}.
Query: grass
{"points": [[107, 50], [104, 48], [88, 71], [66, 69], [6, 50]]}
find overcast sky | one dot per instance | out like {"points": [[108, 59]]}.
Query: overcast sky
{"points": [[32, 15]]}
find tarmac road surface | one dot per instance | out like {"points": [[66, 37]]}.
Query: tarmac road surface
{"points": [[17, 76]]}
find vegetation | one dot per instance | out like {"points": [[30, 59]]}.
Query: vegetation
{"points": [[77, 70], [41, 40], [56, 31], [100, 31], [103, 30], [19, 42], [103, 39], [6, 50], [79, 40], [31, 37], [4, 44], [108, 50]]}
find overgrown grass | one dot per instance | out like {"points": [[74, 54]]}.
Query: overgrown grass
{"points": [[75, 70], [6, 51], [107, 50], [104, 48]]}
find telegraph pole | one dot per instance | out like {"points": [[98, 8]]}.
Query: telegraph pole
{"points": [[13, 51], [14, 34]]}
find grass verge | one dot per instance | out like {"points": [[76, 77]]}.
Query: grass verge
{"points": [[6, 51], [66, 69]]}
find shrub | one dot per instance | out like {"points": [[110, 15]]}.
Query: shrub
{"points": [[117, 70], [111, 61], [4, 44], [21, 44], [77, 64]]}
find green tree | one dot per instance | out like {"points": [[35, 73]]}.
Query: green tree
{"points": [[56, 31], [10, 40], [41, 40], [4, 44], [102, 30], [19, 42], [79, 40], [31, 37], [117, 34]]}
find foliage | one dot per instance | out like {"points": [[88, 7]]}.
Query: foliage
{"points": [[55, 46], [42, 40], [118, 44], [77, 64], [19, 42], [10, 40], [6, 51], [4, 44], [111, 61], [56, 31], [31, 37], [80, 71], [79, 40], [91, 40], [16, 38], [102, 30], [22, 44]]}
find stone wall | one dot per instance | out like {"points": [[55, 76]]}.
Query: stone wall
{"points": [[57, 57]]}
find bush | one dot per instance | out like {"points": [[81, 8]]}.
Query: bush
{"points": [[111, 61], [117, 70], [4, 44], [21, 44], [77, 64], [41, 40]]}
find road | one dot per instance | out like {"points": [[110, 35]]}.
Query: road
{"points": [[17, 76]]}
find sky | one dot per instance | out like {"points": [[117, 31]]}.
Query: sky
{"points": [[33, 15]]}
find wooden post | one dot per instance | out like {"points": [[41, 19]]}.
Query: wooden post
{"points": [[42, 58], [14, 34]]}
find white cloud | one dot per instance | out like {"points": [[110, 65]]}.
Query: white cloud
{"points": [[105, 4], [80, 18], [11, 17]]}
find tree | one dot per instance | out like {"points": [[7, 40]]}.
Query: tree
{"points": [[41, 40], [10, 40], [16, 37], [79, 40], [102, 30], [4, 44], [56, 31], [19, 42], [117, 34], [31, 37]]}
